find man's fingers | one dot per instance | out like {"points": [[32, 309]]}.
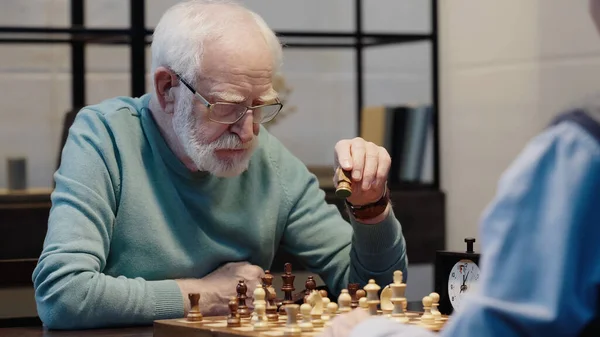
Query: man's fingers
{"points": [[370, 166], [358, 151], [383, 168], [342, 154]]}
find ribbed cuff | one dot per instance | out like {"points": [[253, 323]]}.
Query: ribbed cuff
{"points": [[168, 299], [377, 238]]}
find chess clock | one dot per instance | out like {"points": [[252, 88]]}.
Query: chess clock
{"points": [[456, 273]]}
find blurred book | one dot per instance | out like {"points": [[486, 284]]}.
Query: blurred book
{"points": [[406, 132]]}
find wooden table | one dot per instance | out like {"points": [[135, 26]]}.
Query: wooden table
{"points": [[40, 331]]}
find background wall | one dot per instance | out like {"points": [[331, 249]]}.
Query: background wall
{"points": [[506, 68]]}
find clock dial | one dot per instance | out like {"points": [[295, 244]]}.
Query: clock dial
{"points": [[463, 277]]}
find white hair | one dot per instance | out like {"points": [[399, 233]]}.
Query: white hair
{"points": [[178, 39]]}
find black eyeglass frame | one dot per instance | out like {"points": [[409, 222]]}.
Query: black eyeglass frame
{"points": [[210, 106]]}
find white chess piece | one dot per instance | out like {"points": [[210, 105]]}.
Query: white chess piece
{"points": [[435, 298], [316, 302], [260, 319], [372, 290], [385, 300], [259, 298], [306, 324], [427, 318], [363, 304], [332, 308], [397, 299], [345, 301], [291, 325]]}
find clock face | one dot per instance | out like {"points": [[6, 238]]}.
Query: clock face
{"points": [[463, 277]]}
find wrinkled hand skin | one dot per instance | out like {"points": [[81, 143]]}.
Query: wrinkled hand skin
{"points": [[342, 325], [218, 287]]}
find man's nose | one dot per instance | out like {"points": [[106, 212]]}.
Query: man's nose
{"points": [[244, 128]]}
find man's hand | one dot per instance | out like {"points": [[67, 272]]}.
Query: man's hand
{"points": [[217, 288], [369, 165]]}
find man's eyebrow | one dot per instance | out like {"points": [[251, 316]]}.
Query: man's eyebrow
{"points": [[270, 96], [228, 97]]}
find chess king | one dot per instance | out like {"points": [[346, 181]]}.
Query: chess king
{"points": [[184, 191]]}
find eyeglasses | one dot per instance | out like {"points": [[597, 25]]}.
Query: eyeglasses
{"points": [[231, 113]]}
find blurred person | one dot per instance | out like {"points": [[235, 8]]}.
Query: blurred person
{"points": [[540, 250]]}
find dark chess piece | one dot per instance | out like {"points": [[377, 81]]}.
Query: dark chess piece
{"points": [[233, 320], [309, 286], [243, 309], [194, 315], [270, 296], [287, 288], [352, 288]]}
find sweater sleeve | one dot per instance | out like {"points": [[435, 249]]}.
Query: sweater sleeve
{"points": [[71, 290], [317, 234]]}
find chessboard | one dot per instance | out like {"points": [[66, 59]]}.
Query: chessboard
{"points": [[307, 313], [216, 326]]}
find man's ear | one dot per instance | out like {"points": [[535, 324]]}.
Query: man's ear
{"points": [[164, 84]]}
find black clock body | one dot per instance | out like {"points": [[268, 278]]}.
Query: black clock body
{"points": [[444, 262]]}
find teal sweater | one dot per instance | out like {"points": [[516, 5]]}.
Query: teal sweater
{"points": [[128, 218]]}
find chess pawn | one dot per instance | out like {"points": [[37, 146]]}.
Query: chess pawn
{"points": [[345, 301], [435, 298], [291, 325], [332, 308], [427, 318], [372, 290], [194, 315], [306, 324], [363, 303], [233, 320]]}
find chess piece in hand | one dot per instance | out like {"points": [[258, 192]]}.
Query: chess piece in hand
{"points": [[218, 287], [367, 166]]}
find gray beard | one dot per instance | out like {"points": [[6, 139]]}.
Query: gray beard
{"points": [[202, 152]]}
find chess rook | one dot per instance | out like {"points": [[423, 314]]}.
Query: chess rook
{"points": [[194, 315]]}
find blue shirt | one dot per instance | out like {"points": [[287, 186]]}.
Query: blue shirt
{"points": [[540, 246]]}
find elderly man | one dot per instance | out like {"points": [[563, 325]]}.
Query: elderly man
{"points": [[183, 191], [540, 250]]}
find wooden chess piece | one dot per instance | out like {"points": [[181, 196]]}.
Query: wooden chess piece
{"points": [[287, 287], [194, 314], [267, 280], [241, 290], [233, 320], [331, 311], [435, 299], [345, 301], [291, 325], [306, 324], [372, 290], [309, 286], [260, 324], [343, 183], [398, 290], [427, 318], [352, 289]]}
